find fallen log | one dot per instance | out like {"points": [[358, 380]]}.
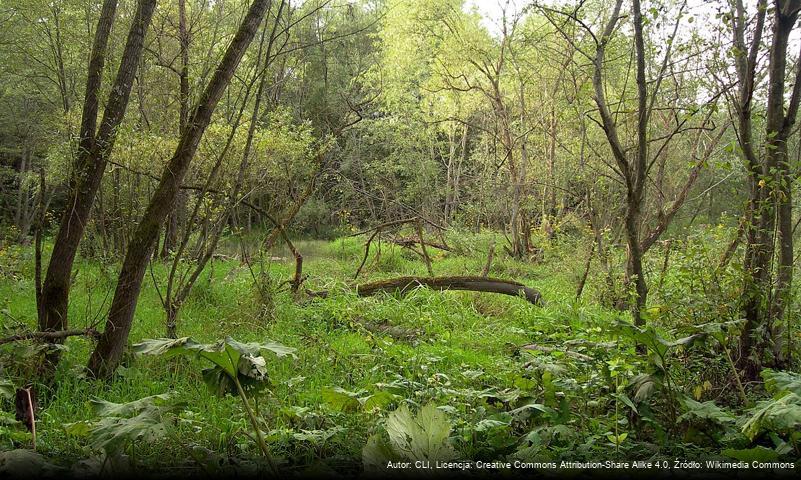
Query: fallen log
{"points": [[470, 283]]}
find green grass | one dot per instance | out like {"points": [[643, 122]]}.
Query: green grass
{"points": [[459, 344]]}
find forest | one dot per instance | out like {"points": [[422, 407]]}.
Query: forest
{"points": [[372, 237]]}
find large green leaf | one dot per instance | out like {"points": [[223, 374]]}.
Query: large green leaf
{"points": [[341, 399], [168, 347], [231, 359], [376, 453], [103, 408], [6, 388], [780, 415], [113, 434], [758, 454], [123, 423], [424, 437], [223, 353], [778, 383], [706, 411]]}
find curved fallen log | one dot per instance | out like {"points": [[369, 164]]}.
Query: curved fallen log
{"points": [[470, 283]]}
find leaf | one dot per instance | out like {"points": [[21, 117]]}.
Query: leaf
{"points": [[113, 434], [317, 437], [424, 437], [253, 367], [341, 399], [705, 411], [236, 360], [376, 453], [683, 341], [378, 400], [529, 409], [256, 349], [6, 388], [123, 423], [78, 429], [168, 347], [625, 399], [489, 424], [781, 415], [778, 383], [644, 386], [103, 408], [756, 454], [219, 382]]}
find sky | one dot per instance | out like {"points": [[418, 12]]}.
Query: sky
{"points": [[703, 10]]}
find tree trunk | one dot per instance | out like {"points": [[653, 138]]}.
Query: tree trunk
{"points": [[764, 305], [171, 226], [107, 354], [93, 152]]}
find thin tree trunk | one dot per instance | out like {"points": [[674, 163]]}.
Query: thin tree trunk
{"points": [[764, 305], [172, 224], [174, 303], [93, 152], [107, 354]]}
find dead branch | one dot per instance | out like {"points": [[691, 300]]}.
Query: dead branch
{"points": [[366, 252], [419, 228], [409, 242], [88, 332]]}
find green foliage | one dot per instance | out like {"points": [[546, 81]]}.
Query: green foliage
{"points": [[498, 401], [782, 414], [424, 436], [121, 425], [706, 411], [233, 361]]}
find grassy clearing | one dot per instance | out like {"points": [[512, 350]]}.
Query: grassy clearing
{"points": [[459, 350]]}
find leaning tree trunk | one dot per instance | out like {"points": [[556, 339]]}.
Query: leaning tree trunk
{"points": [[93, 153], [107, 354]]}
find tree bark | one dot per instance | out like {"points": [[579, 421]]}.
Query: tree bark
{"points": [[93, 151], [106, 356], [764, 305], [171, 226], [470, 283]]}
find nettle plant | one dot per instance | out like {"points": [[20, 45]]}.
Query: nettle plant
{"points": [[237, 368]]}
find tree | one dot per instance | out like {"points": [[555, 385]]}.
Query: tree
{"points": [[633, 160], [108, 352], [94, 148], [768, 217]]}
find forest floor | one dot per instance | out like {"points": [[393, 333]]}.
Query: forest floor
{"points": [[358, 359]]}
